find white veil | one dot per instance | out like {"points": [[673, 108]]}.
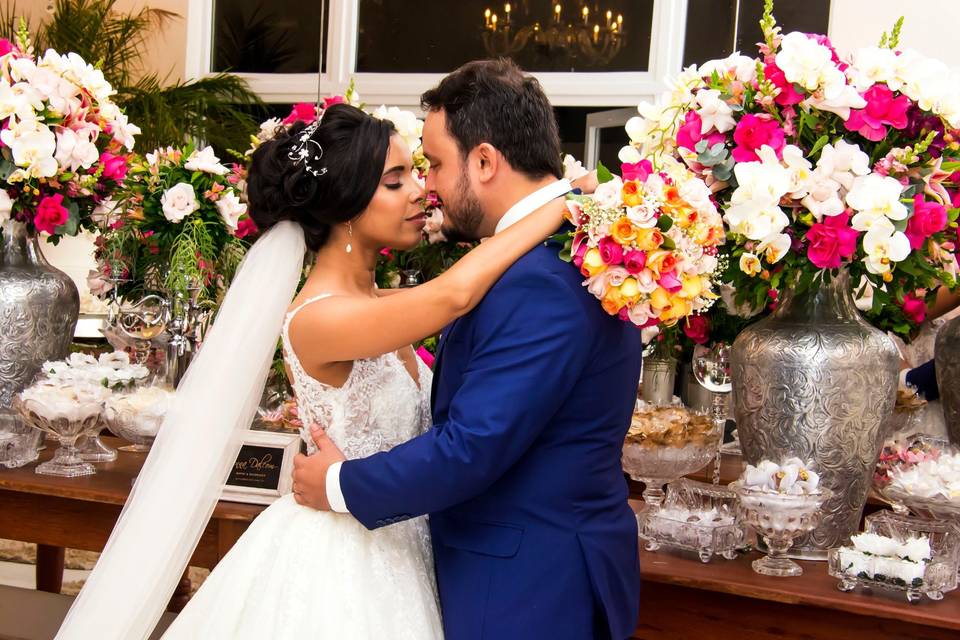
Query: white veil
{"points": [[185, 471]]}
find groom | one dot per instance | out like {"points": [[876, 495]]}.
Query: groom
{"points": [[533, 393]]}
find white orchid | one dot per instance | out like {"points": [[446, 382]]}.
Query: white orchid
{"points": [[741, 67], [877, 195], [750, 264], [863, 294], [806, 62], [774, 247], [19, 100], [871, 221], [408, 126], [824, 197], [105, 212], [205, 160], [179, 201], [872, 65], [76, 150], [801, 171], [33, 145], [836, 96], [884, 249], [124, 131], [231, 208], [843, 162], [714, 112], [573, 168], [754, 209]]}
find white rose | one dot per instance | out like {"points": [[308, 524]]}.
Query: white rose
{"points": [[205, 160], [608, 194], [179, 201], [231, 208]]}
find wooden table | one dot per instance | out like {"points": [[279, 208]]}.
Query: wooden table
{"points": [[79, 513], [681, 598]]}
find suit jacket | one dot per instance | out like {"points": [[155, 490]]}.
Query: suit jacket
{"points": [[521, 473]]}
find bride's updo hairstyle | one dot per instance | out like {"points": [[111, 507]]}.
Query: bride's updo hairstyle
{"points": [[355, 147]]}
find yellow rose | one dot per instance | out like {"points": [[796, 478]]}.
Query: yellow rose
{"points": [[632, 197], [630, 290], [661, 261], [623, 231], [678, 308], [659, 299], [750, 264], [649, 239], [613, 301], [593, 263]]}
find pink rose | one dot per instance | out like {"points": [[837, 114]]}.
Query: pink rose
{"points": [[753, 132], [301, 112], [670, 281], [697, 328], [928, 218], [114, 167], [427, 357], [690, 133], [246, 227], [5, 46], [634, 261], [831, 241], [882, 109], [788, 93], [610, 251], [914, 308], [578, 256], [636, 170], [332, 100], [51, 214]]}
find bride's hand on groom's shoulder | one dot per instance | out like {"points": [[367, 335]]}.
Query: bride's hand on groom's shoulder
{"points": [[587, 183], [310, 472]]}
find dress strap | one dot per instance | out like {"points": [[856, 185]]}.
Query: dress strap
{"points": [[303, 304]]}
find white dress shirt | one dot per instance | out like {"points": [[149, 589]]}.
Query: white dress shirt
{"points": [[514, 214]]}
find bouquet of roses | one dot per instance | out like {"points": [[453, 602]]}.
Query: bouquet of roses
{"points": [[65, 144], [646, 243], [820, 163], [177, 227]]}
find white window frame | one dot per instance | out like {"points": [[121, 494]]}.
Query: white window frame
{"points": [[404, 89]]}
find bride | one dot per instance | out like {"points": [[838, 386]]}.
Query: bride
{"points": [[342, 188]]}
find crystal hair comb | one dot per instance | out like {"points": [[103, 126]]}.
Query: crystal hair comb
{"points": [[302, 153]]}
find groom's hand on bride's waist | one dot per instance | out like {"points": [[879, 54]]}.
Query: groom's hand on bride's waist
{"points": [[310, 472]]}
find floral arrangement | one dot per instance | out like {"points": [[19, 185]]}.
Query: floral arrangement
{"points": [[177, 226], [933, 477], [792, 477], [65, 145], [646, 242], [896, 455], [820, 162], [877, 557], [111, 370]]}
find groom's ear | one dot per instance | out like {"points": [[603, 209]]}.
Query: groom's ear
{"points": [[487, 160]]}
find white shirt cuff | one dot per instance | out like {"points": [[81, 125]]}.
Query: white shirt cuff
{"points": [[334, 494], [903, 377]]}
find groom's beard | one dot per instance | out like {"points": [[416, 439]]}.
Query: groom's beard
{"points": [[463, 216]]}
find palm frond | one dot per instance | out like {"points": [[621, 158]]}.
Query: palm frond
{"points": [[221, 110], [10, 15]]}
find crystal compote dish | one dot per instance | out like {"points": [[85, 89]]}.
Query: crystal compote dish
{"points": [[929, 489], [667, 443], [899, 553], [695, 516], [67, 413], [779, 518], [137, 416]]}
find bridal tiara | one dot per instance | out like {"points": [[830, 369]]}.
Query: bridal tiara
{"points": [[301, 153]]}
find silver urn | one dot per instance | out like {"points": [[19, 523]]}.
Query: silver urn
{"points": [[816, 381], [947, 358], [39, 307]]}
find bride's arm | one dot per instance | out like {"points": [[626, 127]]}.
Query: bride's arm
{"points": [[355, 328]]}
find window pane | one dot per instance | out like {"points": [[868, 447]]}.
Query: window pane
{"points": [[267, 36], [810, 16], [710, 25], [441, 35]]}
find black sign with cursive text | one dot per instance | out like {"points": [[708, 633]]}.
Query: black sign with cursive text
{"points": [[257, 467]]}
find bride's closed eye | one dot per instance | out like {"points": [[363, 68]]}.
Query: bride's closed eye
{"points": [[393, 185]]}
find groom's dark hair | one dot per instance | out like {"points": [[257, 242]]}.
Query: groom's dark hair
{"points": [[493, 101]]}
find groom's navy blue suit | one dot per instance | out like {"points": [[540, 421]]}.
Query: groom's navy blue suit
{"points": [[521, 475]]}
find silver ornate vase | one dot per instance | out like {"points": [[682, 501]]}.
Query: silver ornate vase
{"points": [[39, 307], [816, 381], [947, 358]]}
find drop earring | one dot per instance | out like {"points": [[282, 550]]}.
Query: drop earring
{"points": [[350, 241]]}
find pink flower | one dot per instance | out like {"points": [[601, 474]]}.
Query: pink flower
{"points": [[301, 112], [882, 109], [670, 281], [114, 167], [831, 241], [332, 100], [580, 252], [634, 261], [5, 46], [51, 214], [386, 253], [246, 227], [928, 218], [697, 328], [914, 308], [427, 357], [690, 133], [788, 93], [753, 132], [610, 251], [637, 170]]}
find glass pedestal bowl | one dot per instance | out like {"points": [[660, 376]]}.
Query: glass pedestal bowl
{"points": [[84, 421], [931, 578], [697, 517], [137, 417], [779, 518], [665, 444]]}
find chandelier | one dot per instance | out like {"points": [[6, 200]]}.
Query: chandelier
{"points": [[571, 30]]}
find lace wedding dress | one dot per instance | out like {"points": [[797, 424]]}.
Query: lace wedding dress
{"points": [[301, 574]]}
